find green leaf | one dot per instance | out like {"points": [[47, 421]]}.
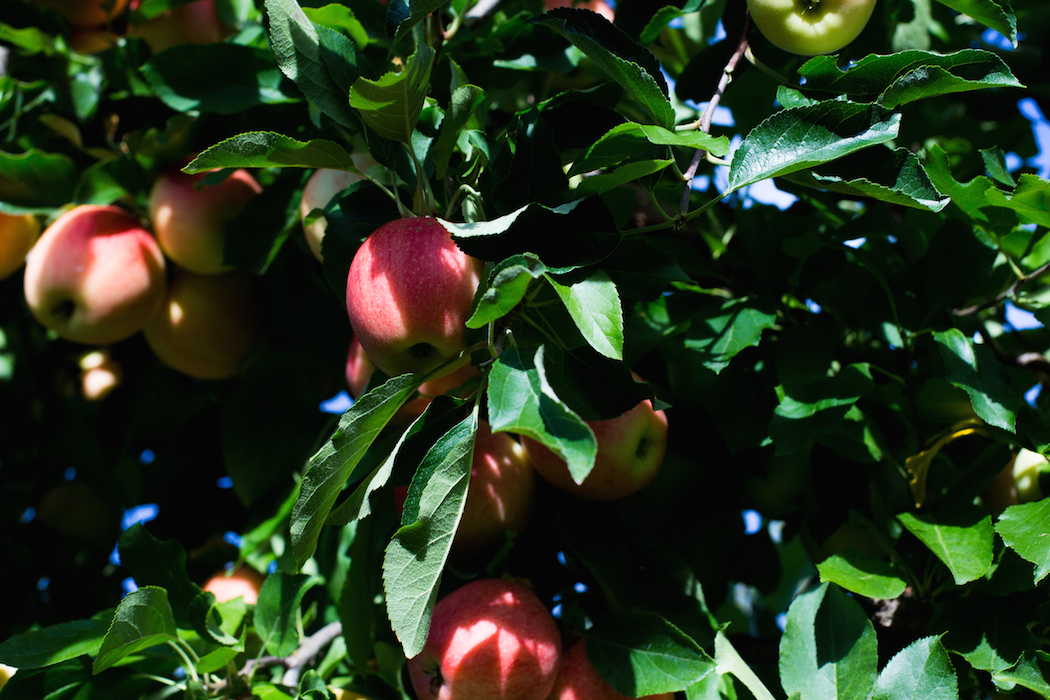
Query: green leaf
{"points": [[976, 370], [991, 13], [53, 645], [1030, 199], [862, 573], [641, 653], [418, 10], [36, 179], [905, 76], [624, 60], [594, 305], [625, 141], [331, 466], [717, 334], [962, 539], [629, 172], [416, 556], [730, 662], [1024, 529], [920, 670], [509, 282], [896, 177], [811, 408], [142, 620], [155, 563], [392, 104], [466, 100], [828, 649], [219, 78], [1031, 671], [520, 400], [297, 47], [969, 197], [277, 611], [265, 149], [804, 137]]}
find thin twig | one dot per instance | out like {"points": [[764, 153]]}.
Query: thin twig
{"points": [[294, 662], [709, 114], [1011, 291]]}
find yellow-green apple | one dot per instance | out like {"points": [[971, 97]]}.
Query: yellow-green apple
{"points": [[5, 674], [76, 510], [1001, 493], [242, 582], [344, 694], [96, 275], [86, 13], [810, 27], [206, 326], [491, 639], [190, 217], [323, 185], [18, 233], [631, 450], [1027, 466], [359, 369], [408, 295], [578, 679], [100, 374], [193, 23], [599, 6]]}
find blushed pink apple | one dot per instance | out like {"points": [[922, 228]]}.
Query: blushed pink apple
{"points": [[193, 23], [190, 217], [96, 275], [18, 233], [322, 186], [206, 326], [631, 450], [599, 6], [491, 639], [244, 582], [408, 295], [578, 679]]}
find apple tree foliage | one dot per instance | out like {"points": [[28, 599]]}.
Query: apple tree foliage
{"points": [[842, 365]]}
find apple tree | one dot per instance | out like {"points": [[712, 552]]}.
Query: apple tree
{"points": [[825, 274]]}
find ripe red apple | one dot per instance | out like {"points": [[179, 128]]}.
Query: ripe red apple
{"points": [[491, 639], [96, 276], [243, 582], [83, 14], [631, 450], [501, 495], [599, 6], [18, 233], [207, 325], [810, 27], [359, 369], [408, 295], [193, 23], [190, 217], [578, 679], [324, 184]]}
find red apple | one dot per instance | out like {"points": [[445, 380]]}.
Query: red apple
{"points": [[192, 23], [631, 449], [359, 369], [207, 325], [322, 186], [578, 680], [190, 217], [501, 495], [244, 582], [491, 639], [599, 6], [83, 14], [408, 295], [96, 276], [18, 233]]}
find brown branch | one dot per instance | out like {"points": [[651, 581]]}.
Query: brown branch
{"points": [[709, 114], [999, 298], [294, 662]]}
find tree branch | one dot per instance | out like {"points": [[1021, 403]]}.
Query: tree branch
{"points": [[1011, 291], [294, 662]]}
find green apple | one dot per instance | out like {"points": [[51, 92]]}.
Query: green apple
{"points": [[810, 27], [491, 639], [578, 679], [190, 217], [1027, 466], [96, 276], [18, 233], [631, 449], [206, 326], [408, 295]]}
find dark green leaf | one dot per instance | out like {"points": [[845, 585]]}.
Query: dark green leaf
{"points": [[142, 620], [976, 370], [718, 333], [811, 408], [264, 149], [53, 645], [277, 611], [509, 282], [1031, 671], [862, 573], [962, 539], [991, 13], [1024, 529], [155, 563], [1030, 199], [625, 141], [36, 179], [392, 104]]}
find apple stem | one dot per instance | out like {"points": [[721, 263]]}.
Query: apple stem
{"points": [[64, 309], [704, 123]]}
